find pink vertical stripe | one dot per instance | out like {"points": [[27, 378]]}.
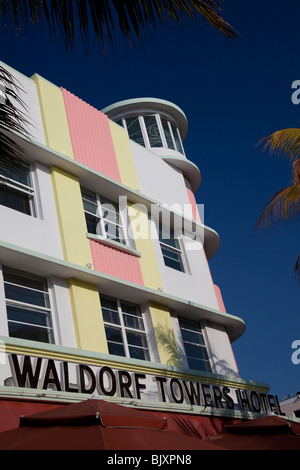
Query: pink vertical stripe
{"points": [[219, 299], [91, 137], [116, 263], [193, 203]]}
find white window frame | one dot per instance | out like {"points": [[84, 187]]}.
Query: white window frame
{"points": [[123, 328], [100, 229], [178, 249], [21, 188], [160, 128], [203, 347], [33, 307]]}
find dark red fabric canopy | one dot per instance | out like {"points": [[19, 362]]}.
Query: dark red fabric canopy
{"points": [[97, 425], [266, 433]]}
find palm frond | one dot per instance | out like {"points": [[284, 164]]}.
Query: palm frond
{"points": [[296, 172], [283, 205], [297, 268], [285, 142], [130, 17], [12, 117]]}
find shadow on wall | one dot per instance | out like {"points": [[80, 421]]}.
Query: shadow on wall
{"points": [[223, 368], [166, 340]]}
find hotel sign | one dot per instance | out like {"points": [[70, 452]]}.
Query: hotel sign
{"points": [[43, 374]]}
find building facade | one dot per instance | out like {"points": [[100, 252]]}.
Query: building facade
{"points": [[105, 286]]}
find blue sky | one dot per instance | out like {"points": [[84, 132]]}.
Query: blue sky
{"points": [[233, 93]]}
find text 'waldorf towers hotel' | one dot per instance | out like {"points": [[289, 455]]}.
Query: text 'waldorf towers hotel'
{"points": [[105, 286]]}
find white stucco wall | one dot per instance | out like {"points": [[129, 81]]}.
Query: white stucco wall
{"points": [[28, 95], [157, 179], [165, 184], [40, 233], [220, 351]]}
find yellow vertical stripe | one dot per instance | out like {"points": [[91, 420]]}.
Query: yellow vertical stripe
{"points": [[141, 233], [54, 116], [88, 322], [124, 156], [164, 335], [71, 219]]}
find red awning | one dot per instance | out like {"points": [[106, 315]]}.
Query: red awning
{"points": [[266, 433], [98, 425]]}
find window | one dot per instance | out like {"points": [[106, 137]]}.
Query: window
{"points": [[102, 216], [134, 130], [168, 133], [124, 327], [194, 345], [152, 131], [28, 306], [170, 248], [16, 190]]}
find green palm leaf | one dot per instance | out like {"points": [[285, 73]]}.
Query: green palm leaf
{"points": [[284, 204], [285, 142]]}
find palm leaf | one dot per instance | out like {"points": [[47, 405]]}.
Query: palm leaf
{"points": [[285, 142], [297, 268], [130, 17], [283, 205], [12, 117]]}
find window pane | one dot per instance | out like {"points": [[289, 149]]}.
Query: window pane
{"points": [[92, 223], [195, 351], [27, 322], [172, 259], [114, 232], [116, 349], [168, 134], [30, 332], [110, 213], [168, 237], [131, 321], [110, 311], [20, 175], [111, 316], [134, 130], [114, 340], [194, 345], [177, 139], [199, 365], [90, 206], [136, 339], [14, 199], [153, 131], [192, 337], [25, 315], [139, 353], [29, 296], [25, 289], [113, 334], [24, 279]]}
